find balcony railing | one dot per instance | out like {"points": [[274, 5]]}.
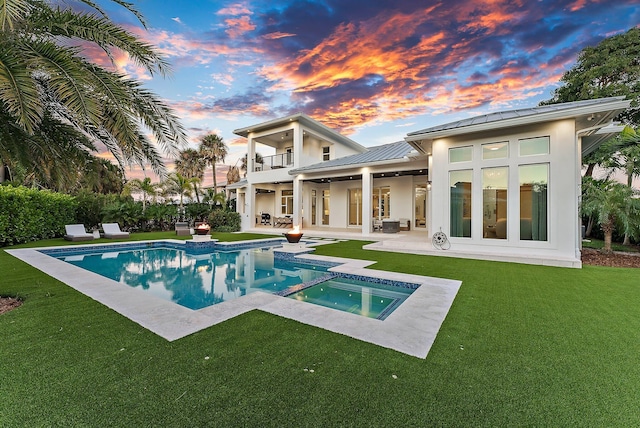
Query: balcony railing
{"points": [[282, 160]]}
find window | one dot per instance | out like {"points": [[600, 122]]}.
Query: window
{"points": [[381, 199], [494, 202], [326, 153], [355, 207], [460, 203], [534, 146], [495, 150], [325, 206], [287, 202], [313, 207], [460, 154], [534, 210]]}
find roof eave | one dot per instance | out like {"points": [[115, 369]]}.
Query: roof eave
{"points": [[305, 121], [350, 166], [617, 105]]}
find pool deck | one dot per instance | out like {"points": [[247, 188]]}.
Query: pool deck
{"points": [[410, 329]]}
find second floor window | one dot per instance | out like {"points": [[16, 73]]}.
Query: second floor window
{"points": [[325, 154]]}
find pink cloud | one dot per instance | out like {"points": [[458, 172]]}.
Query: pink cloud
{"points": [[277, 35], [239, 26], [235, 9]]}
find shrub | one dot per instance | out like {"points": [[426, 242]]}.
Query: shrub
{"points": [[29, 214], [197, 212], [224, 221], [90, 206], [160, 216], [127, 213]]}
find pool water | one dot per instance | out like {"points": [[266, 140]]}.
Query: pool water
{"points": [[368, 299], [196, 280]]}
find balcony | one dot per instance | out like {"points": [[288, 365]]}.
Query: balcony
{"points": [[282, 160]]}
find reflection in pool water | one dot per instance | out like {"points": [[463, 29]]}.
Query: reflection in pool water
{"points": [[197, 280]]}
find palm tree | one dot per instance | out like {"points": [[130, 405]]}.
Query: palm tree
{"points": [[146, 187], [48, 85], [213, 198], [233, 175], [191, 164], [179, 185], [213, 149], [244, 166], [611, 204]]}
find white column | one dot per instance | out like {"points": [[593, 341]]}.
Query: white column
{"points": [[429, 212], [367, 195], [297, 145], [250, 204], [297, 201], [251, 154]]}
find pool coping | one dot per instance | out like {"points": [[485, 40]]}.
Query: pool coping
{"points": [[410, 329]]}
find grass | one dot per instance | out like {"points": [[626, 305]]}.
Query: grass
{"points": [[521, 345], [598, 244]]}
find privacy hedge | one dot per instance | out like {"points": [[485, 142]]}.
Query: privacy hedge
{"points": [[224, 221], [29, 214]]}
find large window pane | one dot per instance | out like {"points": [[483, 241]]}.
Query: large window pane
{"points": [[460, 154], [495, 150], [534, 146], [287, 202], [326, 196], [381, 199], [460, 203], [494, 202], [313, 207], [355, 207], [534, 211]]}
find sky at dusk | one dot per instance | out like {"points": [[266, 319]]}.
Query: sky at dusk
{"points": [[373, 70]]}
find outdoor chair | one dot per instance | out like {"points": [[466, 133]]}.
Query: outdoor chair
{"points": [[112, 230], [76, 232], [377, 225], [182, 228]]}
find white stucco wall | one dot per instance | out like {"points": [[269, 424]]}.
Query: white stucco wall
{"points": [[564, 170]]}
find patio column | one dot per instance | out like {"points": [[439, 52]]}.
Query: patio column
{"points": [[367, 195], [249, 207], [297, 201]]}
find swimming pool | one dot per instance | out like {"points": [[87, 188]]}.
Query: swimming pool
{"points": [[411, 328], [196, 281]]}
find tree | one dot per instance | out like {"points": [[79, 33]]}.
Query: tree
{"points": [[179, 185], [48, 86], [626, 159], [146, 187], [213, 149], [214, 199], [191, 164], [233, 175], [244, 166], [612, 68], [611, 204]]}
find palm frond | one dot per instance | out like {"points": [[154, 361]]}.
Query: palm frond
{"points": [[101, 31], [12, 11], [18, 91]]}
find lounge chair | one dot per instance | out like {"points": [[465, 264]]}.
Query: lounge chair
{"points": [[112, 230], [76, 232]]}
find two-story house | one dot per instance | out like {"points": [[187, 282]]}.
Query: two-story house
{"points": [[504, 185]]}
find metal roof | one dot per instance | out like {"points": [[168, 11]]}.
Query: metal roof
{"points": [[305, 121], [383, 153], [516, 114]]}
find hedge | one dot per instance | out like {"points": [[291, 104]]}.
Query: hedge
{"points": [[29, 214], [224, 221]]}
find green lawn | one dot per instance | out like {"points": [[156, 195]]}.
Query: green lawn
{"points": [[598, 244], [521, 346]]}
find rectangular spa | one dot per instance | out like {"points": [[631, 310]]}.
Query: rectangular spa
{"points": [[368, 299]]}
